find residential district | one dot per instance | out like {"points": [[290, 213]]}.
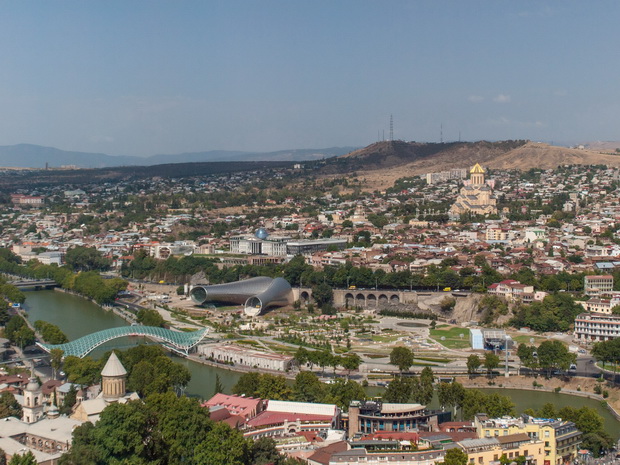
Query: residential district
{"points": [[416, 297]]}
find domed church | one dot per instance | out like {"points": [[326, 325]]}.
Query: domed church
{"points": [[476, 196]]}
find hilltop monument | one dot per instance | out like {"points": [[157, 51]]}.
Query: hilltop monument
{"points": [[476, 196]]}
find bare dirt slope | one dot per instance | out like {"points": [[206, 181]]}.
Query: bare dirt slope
{"points": [[524, 157], [537, 155]]}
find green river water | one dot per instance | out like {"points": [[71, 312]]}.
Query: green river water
{"points": [[78, 317]]}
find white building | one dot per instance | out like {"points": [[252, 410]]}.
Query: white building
{"points": [[230, 353], [593, 327]]}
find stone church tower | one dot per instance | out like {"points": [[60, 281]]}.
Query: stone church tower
{"points": [[33, 401], [476, 197], [113, 379]]}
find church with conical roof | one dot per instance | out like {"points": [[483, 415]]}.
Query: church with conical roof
{"points": [[476, 197], [113, 389]]}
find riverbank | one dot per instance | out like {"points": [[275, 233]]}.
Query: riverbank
{"points": [[116, 309], [580, 387]]}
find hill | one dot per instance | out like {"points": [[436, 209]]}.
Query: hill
{"points": [[384, 162], [36, 156]]}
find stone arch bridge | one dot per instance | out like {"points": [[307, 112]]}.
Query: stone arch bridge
{"points": [[364, 298]]}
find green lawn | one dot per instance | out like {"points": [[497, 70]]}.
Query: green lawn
{"points": [[450, 336], [525, 339]]}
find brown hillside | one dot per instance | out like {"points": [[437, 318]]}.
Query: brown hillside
{"points": [[384, 162], [537, 155]]}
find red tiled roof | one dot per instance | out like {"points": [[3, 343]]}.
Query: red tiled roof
{"points": [[277, 418], [394, 435]]}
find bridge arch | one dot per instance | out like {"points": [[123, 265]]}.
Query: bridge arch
{"points": [[349, 300], [371, 299], [394, 299], [360, 300], [383, 300], [179, 341]]}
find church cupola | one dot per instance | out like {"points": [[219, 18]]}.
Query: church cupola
{"points": [[113, 378]]}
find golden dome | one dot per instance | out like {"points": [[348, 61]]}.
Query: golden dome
{"points": [[477, 169]]}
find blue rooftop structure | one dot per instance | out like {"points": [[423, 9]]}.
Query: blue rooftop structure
{"points": [[177, 340]]}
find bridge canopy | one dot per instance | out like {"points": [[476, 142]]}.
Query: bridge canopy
{"points": [[178, 340]]}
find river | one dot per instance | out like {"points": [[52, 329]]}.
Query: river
{"points": [[78, 317]]}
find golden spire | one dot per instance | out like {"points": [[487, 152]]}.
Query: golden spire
{"points": [[477, 169]]}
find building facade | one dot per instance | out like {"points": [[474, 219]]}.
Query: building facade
{"points": [[373, 416], [593, 327], [476, 197], [230, 353], [561, 439], [598, 284]]}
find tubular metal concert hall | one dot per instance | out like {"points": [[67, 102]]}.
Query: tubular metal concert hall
{"points": [[257, 294]]}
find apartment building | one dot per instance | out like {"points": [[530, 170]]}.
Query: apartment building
{"points": [[593, 327], [598, 284], [561, 439]]}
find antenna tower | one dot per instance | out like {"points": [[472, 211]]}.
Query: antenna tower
{"points": [[391, 128], [441, 133]]}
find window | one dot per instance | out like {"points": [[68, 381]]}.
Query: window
{"points": [[547, 434]]}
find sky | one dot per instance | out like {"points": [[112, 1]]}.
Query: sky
{"points": [[163, 77]]}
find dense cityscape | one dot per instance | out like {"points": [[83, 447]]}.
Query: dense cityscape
{"points": [[364, 326], [309, 232]]}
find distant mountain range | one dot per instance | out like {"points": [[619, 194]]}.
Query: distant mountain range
{"points": [[37, 156]]}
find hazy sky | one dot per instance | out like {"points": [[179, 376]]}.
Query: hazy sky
{"points": [[144, 77]]}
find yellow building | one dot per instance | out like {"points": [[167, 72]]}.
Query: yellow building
{"points": [[488, 451], [476, 197], [561, 439]]}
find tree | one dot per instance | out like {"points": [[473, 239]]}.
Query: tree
{"points": [[341, 392], [455, 456], [223, 446], [301, 357], [473, 363], [264, 452], [491, 362], [86, 259], [149, 317], [82, 370], [554, 355], [323, 294], [425, 392], [399, 390], [9, 407], [56, 360], [69, 401], [351, 362], [273, 387], [247, 384], [218, 385], [450, 395], [401, 357], [25, 459], [308, 388]]}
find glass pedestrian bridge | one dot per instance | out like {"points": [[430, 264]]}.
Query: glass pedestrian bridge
{"points": [[179, 341]]}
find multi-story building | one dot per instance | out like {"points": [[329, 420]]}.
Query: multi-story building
{"points": [[489, 450], [496, 234], [595, 305], [34, 200], [510, 289], [372, 416], [593, 327], [385, 455], [598, 284], [561, 439], [272, 246]]}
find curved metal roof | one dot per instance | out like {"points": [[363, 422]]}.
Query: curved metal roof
{"points": [[256, 294], [180, 340]]}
